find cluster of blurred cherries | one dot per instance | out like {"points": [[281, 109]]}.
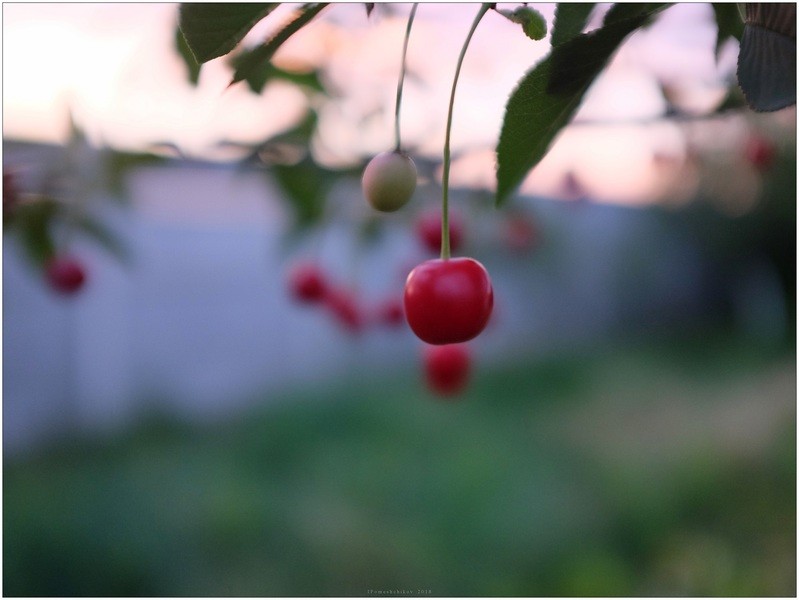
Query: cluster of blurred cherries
{"points": [[308, 284]]}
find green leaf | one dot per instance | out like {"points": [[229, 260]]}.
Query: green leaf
{"points": [[214, 29], [264, 53], [264, 72], [570, 20], [729, 23], [621, 11], [188, 58], [549, 95], [576, 63]]}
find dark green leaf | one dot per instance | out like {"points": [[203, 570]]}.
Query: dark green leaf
{"points": [[767, 57], [263, 72], [549, 95], [576, 63], [621, 11], [729, 23], [570, 20], [191, 63], [213, 29], [32, 221], [264, 53]]}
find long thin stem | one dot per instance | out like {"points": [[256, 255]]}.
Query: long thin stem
{"points": [[401, 80], [445, 252]]}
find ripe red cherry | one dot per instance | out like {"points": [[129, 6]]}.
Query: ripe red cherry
{"points": [[65, 274], [307, 283], [389, 181], [447, 368], [760, 153], [344, 307], [428, 229], [448, 301]]}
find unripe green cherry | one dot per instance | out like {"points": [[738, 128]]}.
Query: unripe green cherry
{"points": [[389, 181]]}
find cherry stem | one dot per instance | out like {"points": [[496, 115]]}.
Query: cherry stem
{"points": [[445, 251], [401, 80]]}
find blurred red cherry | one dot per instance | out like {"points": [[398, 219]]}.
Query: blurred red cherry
{"points": [[760, 152], [307, 283], [428, 229], [344, 307], [521, 233], [65, 274], [390, 312], [447, 368]]}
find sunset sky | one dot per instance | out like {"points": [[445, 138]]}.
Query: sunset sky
{"points": [[115, 68]]}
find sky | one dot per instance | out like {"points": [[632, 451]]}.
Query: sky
{"points": [[114, 67]]}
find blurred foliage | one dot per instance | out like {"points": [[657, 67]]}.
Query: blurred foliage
{"points": [[285, 159], [729, 23], [552, 90], [252, 62], [375, 485], [44, 219], [117, 165], [259, 74], [769, 230]]}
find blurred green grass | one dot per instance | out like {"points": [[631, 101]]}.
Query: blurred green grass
{"points": [[653, 468]]}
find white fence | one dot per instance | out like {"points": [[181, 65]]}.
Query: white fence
{"points": [[199, 322]]}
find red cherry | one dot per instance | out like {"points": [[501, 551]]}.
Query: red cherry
{"points": [[65, 274], [448, 301], [345, 309], [447, 368], [760, 153], [390, 312], [307, 283], [428, 228]]}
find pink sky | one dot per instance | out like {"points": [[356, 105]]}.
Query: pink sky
{"points": [[114, 65]]}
